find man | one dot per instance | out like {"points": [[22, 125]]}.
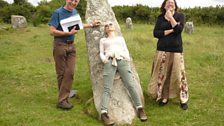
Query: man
{"points": [[64, 50]]}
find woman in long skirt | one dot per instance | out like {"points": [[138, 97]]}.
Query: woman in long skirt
{"points": [[168, 79]]}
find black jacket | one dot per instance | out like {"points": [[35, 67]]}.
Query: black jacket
{"points": [[173, 41]]}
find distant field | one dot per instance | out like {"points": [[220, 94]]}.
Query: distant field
{"points": [[28, 91]]}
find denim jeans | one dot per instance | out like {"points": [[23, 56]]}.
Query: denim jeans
{"points": [[127, 78]]}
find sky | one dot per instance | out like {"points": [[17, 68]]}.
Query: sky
{"points": [[155, 3]]}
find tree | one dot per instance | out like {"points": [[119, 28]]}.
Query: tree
{"points": [[20, 1], [3, 3], [82, 8]]}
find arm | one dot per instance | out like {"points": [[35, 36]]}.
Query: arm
{"points": [[180, 25], [170, 18], [87, 25], [102, 56], [158, 32], [54, 23], [177, 26], [95, 23], [55, 32], [167, 32], [125, 49]]}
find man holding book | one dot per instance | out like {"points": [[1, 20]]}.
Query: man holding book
{"points": [[64, 51]]}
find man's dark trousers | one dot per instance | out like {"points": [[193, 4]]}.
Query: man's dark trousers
{"points": [[65, 57]]}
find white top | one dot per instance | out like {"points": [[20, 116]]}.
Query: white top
{"points": [[113, 47]]}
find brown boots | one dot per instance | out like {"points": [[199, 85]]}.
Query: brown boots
{"points": [[64, 105], [106, 120], [141, 114]]}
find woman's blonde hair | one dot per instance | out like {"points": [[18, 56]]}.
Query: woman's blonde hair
{"points": [[106, 25]]}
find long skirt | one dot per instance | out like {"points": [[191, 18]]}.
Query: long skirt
{"points": [[168, 79]]}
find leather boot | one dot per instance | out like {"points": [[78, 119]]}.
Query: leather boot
{"points": [[141, 114], [64, 105], [106, 120]]}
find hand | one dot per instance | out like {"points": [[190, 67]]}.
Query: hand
{"points": [[73, 31], [167, 32], [168, 14], [105, 61], [96, 23]]}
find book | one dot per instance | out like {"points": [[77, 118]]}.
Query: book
{"points": [[69, 23], [76, 27]]}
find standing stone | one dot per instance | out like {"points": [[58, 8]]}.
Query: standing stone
{"points": [[18, 21], [189, 27], [129, 24], [121, 109]]}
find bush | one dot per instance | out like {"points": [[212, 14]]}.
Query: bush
{"points": [[25, 10], [3, 4], [42, 15], [145, 14]]}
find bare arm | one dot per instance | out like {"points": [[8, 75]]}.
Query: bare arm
{"points": [[177, 26], [55, 32], [170, 17], [87, 25], [167, 32], [95, 23]]}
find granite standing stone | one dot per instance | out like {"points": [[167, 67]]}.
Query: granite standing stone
{"points": [[18, 21], [121, 109], [189, 27], [129, 24]]}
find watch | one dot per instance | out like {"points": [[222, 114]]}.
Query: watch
{"points": [[91, 25]]}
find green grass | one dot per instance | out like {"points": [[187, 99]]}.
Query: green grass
{"points": [[29, 91]]}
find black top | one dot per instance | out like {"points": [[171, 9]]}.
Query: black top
{"points": [[173, 41]]}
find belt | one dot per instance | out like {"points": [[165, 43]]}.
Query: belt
{"points": [[64, 41]]}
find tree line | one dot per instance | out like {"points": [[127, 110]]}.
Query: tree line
{"points": [[145, 14], [139, 13], [36, 15]]}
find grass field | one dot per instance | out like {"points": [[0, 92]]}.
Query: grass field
{"points": [[28, 92]]}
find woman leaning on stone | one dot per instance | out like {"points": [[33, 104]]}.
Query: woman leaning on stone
{"points": [[115, 56]]}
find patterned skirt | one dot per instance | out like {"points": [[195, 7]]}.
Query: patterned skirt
{"points": [[168, 79]]}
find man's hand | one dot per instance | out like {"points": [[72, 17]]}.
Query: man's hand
{"points": [[73, 31], [96, 23]]}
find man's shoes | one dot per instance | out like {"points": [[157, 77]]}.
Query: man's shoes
{"points": [[106, 120], [64, 105], [184, 106], [141, 114], [72, 93], [163, 102]]}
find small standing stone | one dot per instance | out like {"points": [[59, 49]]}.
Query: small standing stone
{"points": [[18, 21], [129, 24], [189, 27]]}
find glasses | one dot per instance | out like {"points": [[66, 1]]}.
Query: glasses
{"points": [[107, 25]]}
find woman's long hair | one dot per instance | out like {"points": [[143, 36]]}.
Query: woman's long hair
{"points": [[163, 10]]}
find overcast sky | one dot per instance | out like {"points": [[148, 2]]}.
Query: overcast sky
{"points": [[155, 3]]}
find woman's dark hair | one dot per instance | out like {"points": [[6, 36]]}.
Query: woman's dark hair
{"points": [[163, 10]]}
